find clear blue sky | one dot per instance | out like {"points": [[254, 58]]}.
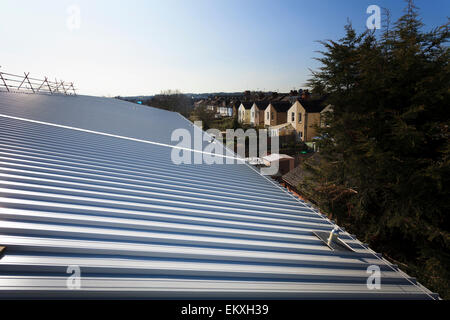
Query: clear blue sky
{"points": [[143, 47]]}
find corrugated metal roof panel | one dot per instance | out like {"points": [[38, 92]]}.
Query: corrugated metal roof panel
{"points": [[141, 226]]}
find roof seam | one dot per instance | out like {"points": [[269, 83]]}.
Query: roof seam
{"points": [[117, 136]]}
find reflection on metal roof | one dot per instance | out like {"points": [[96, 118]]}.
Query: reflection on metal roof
{"points": [[276, 157], [139, 226]]}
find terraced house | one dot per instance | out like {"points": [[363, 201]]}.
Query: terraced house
{"points": [[305, 117], [257, 112], [244, 113], [276, 113]]}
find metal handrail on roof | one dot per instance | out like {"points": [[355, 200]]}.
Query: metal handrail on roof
{"points": [[16, 83]]}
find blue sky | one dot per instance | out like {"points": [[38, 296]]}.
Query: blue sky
{"points": [[142, 47]]}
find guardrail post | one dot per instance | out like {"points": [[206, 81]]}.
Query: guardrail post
{"points": [[48, 84], [71, 85], [18, 88], [62, 84], [57, 86], [40, 86], [26, 76], [1, 75]]}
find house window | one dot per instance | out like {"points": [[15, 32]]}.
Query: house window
{"points": [[293, 117], [299, 118], [271, 115], [268, 116], [253, 114]]}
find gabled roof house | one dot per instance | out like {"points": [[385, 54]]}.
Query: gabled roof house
{"points": [[276, 113], [304, 116], [257, 112], [244, 112]]}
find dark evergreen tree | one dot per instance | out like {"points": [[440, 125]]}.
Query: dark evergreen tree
{"points": [[385, 170]]}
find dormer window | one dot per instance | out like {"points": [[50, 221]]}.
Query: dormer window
{"points": [[299, 118]]}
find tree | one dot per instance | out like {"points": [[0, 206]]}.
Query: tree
{"points": [[172, 101], [385, 147], [204, 115]]}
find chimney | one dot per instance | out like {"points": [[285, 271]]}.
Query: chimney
{"points": [[274, 95], [305, 94]]}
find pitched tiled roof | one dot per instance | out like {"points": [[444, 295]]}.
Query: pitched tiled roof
{"points": [[262, 105], [298, 174], [247, 105], [312, 105], [281, 106], [283, 125]]}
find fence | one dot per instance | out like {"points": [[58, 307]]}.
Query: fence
{"points": [[12, 82]]}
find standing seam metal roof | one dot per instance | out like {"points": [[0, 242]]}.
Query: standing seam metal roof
{"points": [[140, 226]]}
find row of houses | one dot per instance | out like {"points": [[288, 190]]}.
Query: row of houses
{"points": [[300, 117], [227, 106], [280, 115]]}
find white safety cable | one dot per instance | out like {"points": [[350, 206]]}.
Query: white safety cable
{"points": [[118, 136]]}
